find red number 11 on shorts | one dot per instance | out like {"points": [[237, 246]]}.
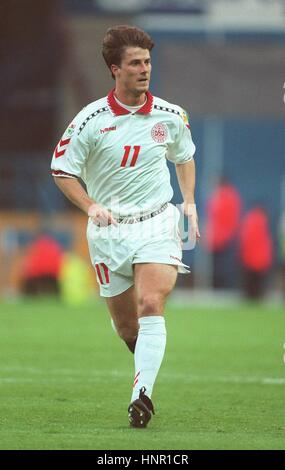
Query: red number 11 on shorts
{"points": [[135, 154]]}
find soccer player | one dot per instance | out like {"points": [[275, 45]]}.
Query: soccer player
{"points": [[118, 146]]}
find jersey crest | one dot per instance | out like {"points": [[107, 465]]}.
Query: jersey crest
{"points": [[159, 132]]}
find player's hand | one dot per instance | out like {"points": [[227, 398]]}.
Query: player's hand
{"points": [[191, 213], [101, 216]]}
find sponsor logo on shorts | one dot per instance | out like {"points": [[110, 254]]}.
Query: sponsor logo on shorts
{"points": [[159, 132], [175, 257]]}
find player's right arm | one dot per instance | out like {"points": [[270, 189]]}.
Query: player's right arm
{"points": [[75, 192], [68, 164]]}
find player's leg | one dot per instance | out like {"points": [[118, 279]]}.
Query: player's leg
{"points": [[123, 310], [119, 293], [153, 283]]}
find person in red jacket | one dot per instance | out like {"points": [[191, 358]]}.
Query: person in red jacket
{"points": [[41, 266], [222, 222], [256, 251]]}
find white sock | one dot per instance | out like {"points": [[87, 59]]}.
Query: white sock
{"points": [[149, 353]]}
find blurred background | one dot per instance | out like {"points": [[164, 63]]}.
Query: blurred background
{"points": [[223, 61]]}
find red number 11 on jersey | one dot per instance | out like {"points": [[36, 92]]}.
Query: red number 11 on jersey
{"points": [[135, 154]]}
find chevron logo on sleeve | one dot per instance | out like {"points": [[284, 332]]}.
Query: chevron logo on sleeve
{"points": [[61, 147]]}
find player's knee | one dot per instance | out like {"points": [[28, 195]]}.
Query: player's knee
{"points": [[150, 304]]}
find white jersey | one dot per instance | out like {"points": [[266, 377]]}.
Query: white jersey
{"points": [[121, 156]]}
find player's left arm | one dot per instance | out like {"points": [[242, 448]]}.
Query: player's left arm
{"points": [[186, 179], [181, 153]]}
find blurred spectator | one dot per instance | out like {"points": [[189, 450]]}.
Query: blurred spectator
{"points": [[41, 267], [256, 251], [76, 280], [222, 222], [282, 251]]}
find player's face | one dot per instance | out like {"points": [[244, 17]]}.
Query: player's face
{"points": [[134, 72]]}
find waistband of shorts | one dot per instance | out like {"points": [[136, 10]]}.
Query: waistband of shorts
{"points": [[133, 219]]}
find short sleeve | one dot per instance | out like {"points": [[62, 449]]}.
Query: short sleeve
{"points": [[183, 148], [72, 150]]}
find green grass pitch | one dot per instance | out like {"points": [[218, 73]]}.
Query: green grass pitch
{"points": [[65, 379]]}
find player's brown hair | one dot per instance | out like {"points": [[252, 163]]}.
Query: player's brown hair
{"points": [[118, 38]]}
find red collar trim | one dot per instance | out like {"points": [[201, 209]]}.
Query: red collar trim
{"points": [[120, 111]]}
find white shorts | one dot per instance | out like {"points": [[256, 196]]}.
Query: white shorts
{"points": [[115, 249]]}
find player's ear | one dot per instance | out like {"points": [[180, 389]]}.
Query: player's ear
{"points": [[114, 69]]}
